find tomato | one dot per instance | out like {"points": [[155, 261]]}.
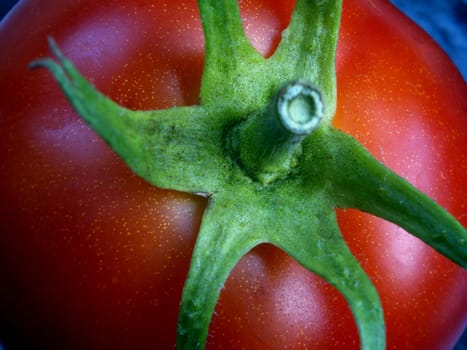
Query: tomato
{"points": [[93, 257]]}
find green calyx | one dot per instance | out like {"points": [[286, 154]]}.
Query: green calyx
{"points": [[270, 161]]}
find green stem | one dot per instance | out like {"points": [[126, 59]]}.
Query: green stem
{"points": [[268, 144], [299, 108]]}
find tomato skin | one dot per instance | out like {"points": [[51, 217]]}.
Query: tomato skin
{"points": [[93, 257]]}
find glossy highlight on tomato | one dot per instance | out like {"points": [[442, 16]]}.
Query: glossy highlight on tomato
{"points": [[93, 257]]}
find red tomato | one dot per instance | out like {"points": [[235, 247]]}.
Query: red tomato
{"points": [[92, 257]]}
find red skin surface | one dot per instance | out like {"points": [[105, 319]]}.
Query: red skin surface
{"points": [[92, 257]]}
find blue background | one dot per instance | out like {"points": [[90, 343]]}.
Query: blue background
{"points": [[445, 20]]}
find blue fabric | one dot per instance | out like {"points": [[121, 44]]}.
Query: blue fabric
{"points": [[5, 6], [445, 21]]}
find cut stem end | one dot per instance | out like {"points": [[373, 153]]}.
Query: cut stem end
{"points": [[300, 107]]}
